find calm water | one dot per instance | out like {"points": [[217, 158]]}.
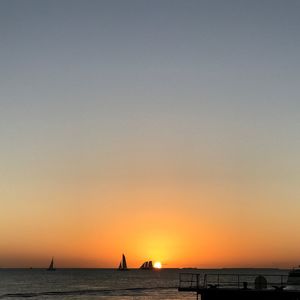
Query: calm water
{"points": [[95, 284], [90, 284]]}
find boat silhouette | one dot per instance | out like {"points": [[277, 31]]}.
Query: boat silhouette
{"points": [[147, 265], [123, 264], [51, 266]]}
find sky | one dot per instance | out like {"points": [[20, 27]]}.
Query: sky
{"points": [[165, 130]]}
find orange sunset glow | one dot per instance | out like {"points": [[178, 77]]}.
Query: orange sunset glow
{"points": [[163, 227]]}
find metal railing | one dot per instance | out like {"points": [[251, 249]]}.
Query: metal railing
{"points": [[222, 280], [190, 280]]}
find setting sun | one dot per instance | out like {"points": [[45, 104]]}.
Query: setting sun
{"points": [[157, 265]]}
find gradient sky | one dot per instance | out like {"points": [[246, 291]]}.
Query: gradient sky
{"points": [[167, 130]]}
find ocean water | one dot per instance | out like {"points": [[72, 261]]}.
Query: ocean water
{"points": [[90, 284], [102, 283]]}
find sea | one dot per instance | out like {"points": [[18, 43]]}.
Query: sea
{"points": [[102, 284]]}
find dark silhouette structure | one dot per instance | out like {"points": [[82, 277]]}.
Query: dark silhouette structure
{"points": [[147, 265], [51, 266], [123, 264]]}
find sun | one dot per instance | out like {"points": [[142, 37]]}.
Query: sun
{"points": [[157, 265]]}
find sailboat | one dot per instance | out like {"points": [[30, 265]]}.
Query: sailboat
{"points": [[51, 266], [147, 265], [123, 264]]}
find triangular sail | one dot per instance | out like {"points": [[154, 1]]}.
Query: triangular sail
{"points": [[51, 266], [150, 266], [124, 264]]}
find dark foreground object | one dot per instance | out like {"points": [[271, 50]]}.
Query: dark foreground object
{"points": [[238, 286], [241, 294]]}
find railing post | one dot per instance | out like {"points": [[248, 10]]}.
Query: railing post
{"points": [[197, 281], [218, 279], [238, 280]]}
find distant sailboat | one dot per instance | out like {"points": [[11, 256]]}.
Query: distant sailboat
{"points": [[51, 266], [147, 265], [123, 264]]}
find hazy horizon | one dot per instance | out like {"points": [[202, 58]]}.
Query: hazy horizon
{"points": [[165, 130]]}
